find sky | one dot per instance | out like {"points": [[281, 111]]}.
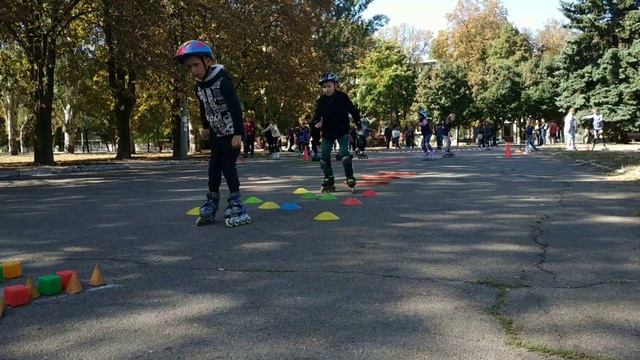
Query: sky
{"points": [[430, 14]]}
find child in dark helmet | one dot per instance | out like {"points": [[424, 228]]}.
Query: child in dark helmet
{"points": [[221, 113], [332, 117]]}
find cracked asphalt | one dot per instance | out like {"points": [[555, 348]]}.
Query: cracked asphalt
{"points": [[407, 275]]}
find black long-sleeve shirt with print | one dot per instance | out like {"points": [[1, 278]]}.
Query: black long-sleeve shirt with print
{"points": [[220, 109]]}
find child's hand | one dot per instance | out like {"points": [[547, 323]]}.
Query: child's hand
{"points": [[318, 125], [236, 140]]}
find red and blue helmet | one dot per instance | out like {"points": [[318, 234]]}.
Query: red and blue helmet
{"points": [[193, 48], [328, 76]]}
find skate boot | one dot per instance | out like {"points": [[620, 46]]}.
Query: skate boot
{"points": [[328, 185], [429, 156], [208, 209], [351, 183], [236, 214]]}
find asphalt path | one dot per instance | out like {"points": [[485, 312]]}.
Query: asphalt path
{"points": [[473, 257]]}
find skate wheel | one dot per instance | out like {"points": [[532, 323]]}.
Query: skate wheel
{"points": [[228, 222]]}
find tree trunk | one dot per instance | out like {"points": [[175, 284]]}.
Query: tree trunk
{"points": [[11, 106], [70, 128], [122, 82], [176, 120], [42, 74], [23, 129], [133, 142]]}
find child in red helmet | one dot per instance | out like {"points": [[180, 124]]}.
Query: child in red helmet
{"points": [[221, 113]]}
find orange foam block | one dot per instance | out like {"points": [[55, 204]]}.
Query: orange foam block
{"points": [[12, 269], [16, 295], [65, 276]]}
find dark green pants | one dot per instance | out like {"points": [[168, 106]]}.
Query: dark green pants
{"points": [[325, 157]]}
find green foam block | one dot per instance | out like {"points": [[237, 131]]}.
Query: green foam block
{"points": [[50, 284]]}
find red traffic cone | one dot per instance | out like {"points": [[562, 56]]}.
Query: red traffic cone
{"points": [[507, 151], [306, 154]]}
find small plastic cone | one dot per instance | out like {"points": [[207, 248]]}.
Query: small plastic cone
{"points": [[306, 155], [327, 197], [300, 191], [508, 151], [352, 202], [74, 286], [97, 279], [369, 193], [33, 289], [290, 207], [253, 200], [399, 173], [269, 206], [326, 216], [194, 212]]}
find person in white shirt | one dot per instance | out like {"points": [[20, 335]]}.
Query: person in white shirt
{"points": [[598, 128], [570, 130], [396, 138]]}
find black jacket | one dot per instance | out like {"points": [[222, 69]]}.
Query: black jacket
{"points": [[219, 106], [334, 112]]}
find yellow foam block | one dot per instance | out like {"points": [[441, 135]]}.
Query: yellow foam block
{"points": [[12, 269]]}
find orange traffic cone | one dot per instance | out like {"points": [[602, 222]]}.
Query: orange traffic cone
{"points": [[306, 154], [74, 287], [33, 289], [507, 152], [97, 279]]}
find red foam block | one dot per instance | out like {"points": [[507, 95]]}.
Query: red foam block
{"points": [[16, 295], [65, 276]]}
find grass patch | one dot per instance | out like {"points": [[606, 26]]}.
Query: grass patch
{"points": [[513, 335], [624, 165]]}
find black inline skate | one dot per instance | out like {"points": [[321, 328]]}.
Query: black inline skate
{"points": [[328, 185], [208, 209], [236, 214]]}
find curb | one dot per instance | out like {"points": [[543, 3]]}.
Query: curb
{"points": [[44, 171]]}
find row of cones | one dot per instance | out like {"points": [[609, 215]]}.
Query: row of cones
{"points": [[74, 286]]}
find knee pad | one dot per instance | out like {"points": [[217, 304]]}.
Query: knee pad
{"points": [[325, 164], [347, 161]]}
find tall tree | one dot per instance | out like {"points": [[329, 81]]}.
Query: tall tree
{"points": [[445, 89], [599, 66], [416, 41], [474, 25], [387, 82], [130, 30], [345, 36], [36, 26], [14, 91]]}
